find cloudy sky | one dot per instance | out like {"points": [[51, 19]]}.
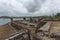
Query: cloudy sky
{"points": [[29, 7]]}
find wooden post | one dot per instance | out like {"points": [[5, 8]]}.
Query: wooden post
{"points": [[24, 18], [31, 20], [29, 34], [11, 20], [50, 29]]}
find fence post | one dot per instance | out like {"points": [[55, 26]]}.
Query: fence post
{"points": [[11, 20]]}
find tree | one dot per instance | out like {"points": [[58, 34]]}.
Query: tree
{"points": [[57, 15]]}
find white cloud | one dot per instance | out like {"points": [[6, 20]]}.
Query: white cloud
{"points": [[50, 7], [11, 7], [29, 7]]}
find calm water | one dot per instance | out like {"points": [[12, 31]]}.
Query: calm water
{"points": [[4, 21]]}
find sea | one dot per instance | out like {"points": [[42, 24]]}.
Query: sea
{"points": [[4, 21]]}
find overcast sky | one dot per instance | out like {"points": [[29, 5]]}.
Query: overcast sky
{"points": [[29, 7]]}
